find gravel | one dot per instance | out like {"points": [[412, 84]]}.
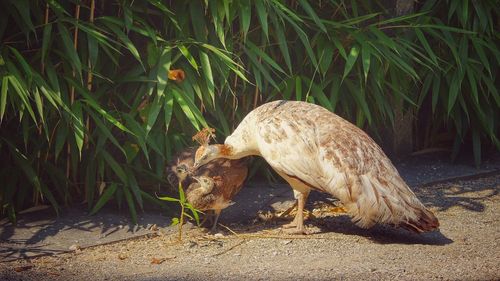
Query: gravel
{"points": [[466, 248]]}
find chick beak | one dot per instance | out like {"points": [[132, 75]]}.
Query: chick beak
{"points": [[195, 166]]}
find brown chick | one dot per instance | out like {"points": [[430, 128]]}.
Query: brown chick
{"points": [[210, 187], [178, 168]]}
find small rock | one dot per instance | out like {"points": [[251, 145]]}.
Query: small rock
{"points": [[74, 247], [218, 235], [122, 256]]}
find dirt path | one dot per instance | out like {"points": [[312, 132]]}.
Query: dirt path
{"points": [[466, 248]]}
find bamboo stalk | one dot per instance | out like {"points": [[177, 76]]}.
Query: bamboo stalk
{"points": [[256, 93], [72, 89], [45, 22], [255, 96], [90, 75], [235, 100], [38, 195], [89, 87]]}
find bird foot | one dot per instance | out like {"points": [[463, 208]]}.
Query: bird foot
{"points": [[296, 230], [289, 225]]}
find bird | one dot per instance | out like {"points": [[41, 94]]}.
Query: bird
{"points": [[215, 192], [315, 149], [178, 168], [210, 187]]}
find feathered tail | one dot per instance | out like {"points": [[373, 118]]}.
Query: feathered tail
{"points": [[426, 222], [370, 199]]}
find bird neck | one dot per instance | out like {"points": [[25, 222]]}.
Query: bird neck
{"points": [[230, 152], [225, 151]]}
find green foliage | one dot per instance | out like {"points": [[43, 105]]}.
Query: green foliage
{"points": [[183, 204], [87, 112]]}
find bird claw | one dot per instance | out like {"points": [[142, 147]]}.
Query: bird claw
{"points": [[289, 225], [296, 230]]}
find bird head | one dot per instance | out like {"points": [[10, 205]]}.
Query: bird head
{"points": [[206, 153], [177, 173], [205, 182]]}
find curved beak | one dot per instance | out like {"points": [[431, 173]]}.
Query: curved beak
{"points": [[195, 166], [196, 179]]}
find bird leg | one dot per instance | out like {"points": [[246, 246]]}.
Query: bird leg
{"points": [[289, 210], [217, 214], [208, 216], [297, 225]]}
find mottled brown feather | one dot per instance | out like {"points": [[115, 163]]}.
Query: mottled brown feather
{"points": [[228, 175]]}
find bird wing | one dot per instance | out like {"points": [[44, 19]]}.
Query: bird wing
{"points": [[290, 146]]}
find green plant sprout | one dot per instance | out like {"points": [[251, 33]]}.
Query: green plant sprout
{"points": [[184, 204]]}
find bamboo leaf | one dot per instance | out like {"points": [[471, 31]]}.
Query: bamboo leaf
{"points": [[185, 52], [280, 34], [23, 94], [482, 55], [169, 199], [310, 11], [134, 187], [427, 46], [163, 68], [207, 72], [106, 195], [131, 204], [245, 14], [298, 88], [3, 96], [229, 62], [70, 49], [351, 60], [23, 8], [255, 50], [105, 131], [117, 169], [94, 104], [24, 64], [365, 57], [125, 40], [262, 15], [47, 33], [189, 108], [78, 126], [168, 108]]}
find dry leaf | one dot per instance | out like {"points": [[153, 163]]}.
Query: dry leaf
{"points": [[157, 260], [176, 75], [23, 268], [161, 260]]}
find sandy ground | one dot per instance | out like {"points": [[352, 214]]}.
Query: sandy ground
{"points": [[466, 248]]}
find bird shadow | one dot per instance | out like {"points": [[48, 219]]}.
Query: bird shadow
{"points": [[470, 196], [381, 234]]}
